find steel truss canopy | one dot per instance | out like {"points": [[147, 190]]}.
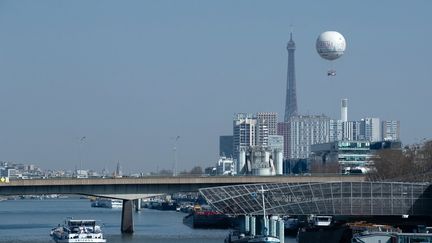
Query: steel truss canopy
{"points": [[329, 198]]}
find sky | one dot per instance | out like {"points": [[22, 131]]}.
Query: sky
{"points": [[131, 76]]}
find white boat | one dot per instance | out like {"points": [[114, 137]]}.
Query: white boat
{"points": [[372, 237], [107, 203], [236, 237], [322, 221], [77, 230]]}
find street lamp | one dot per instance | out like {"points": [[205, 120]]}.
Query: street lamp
{"points": [[175, 155], [81, 142]]}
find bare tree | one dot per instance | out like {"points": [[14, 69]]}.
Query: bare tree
{"points": [[413, 163], [391, 164], [197, 170], [165, 172], [424, 157]]}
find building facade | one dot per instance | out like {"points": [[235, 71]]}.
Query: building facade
{"points": [[266, 126], [244, 132], [303, 131], [390, 130], [349, 154], [352, 130], [371, 129], [284, 131], [336, 130]]}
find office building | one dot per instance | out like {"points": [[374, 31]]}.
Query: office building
{"points": [[266, 126], [371, 129], [244, 133], [283, 130], [336, 130], [351, 130], [349, 155], [276, 142], [300, 132], [390, 130]]}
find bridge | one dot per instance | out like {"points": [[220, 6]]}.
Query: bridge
{"points": [[236, 195], [134, 188], [129, 189]]}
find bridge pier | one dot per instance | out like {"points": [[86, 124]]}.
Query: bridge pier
{"points": [[138, 205], [127, 217]]}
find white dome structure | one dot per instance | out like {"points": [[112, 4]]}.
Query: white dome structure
{"points": [[330, 45]]}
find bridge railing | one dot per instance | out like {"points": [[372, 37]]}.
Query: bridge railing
{"points": [[188, 176]]}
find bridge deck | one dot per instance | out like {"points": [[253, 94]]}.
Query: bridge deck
{"points": [[133, 188]]}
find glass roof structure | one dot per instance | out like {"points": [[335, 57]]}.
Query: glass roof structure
{"points": [[330, 198]]}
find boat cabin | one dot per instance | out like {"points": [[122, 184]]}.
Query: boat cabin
{"points": [[322, 221]]}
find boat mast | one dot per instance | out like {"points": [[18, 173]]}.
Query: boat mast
{"points": [[264, 211]]}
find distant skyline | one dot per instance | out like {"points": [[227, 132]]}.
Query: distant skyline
{"points": [[130, 76]]}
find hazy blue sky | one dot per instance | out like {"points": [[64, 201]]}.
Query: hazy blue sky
{"points": [[131, 75]]}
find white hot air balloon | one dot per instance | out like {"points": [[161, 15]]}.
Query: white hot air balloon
{"points": [[330, 45]]}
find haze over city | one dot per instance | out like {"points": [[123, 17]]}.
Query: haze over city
{"points": [[132, 76]]}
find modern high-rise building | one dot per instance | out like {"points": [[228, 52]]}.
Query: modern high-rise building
{"points": [[226, 146], [368, 129], [300, 132], [276, 142], [283, 130], [336, 130], [348, 130], [266, 126], [352, 130], [291, 96], [244, 129], [390, 130], [371, 129]]}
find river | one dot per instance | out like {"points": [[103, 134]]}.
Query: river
{"points": [[31, 220]]}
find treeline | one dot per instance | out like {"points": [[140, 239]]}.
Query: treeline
{"points": [[197, 170], [411, 164]]}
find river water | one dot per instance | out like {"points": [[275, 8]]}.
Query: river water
{"points": [[31, 221]]}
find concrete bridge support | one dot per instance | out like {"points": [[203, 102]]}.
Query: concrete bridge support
{"points": [[281, 230], [127, 217], [138, 204], [247, 224], [273, 225], [252, 225]]}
